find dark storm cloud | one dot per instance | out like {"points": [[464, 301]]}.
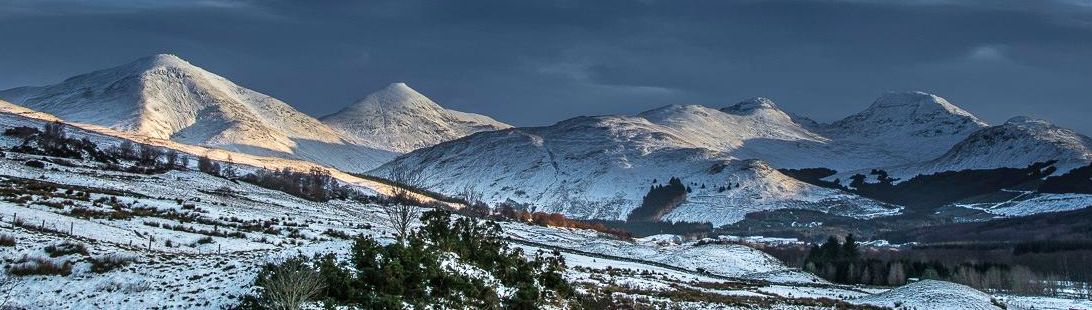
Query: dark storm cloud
{"points": [[538, 62]]}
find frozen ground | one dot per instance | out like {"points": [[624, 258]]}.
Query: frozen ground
{"points": [[195, 242]]}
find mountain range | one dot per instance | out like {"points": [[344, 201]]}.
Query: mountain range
{"points": [[163, 96], [732, 159], [601, 167]]}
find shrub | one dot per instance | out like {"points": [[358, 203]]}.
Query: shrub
{"points": [[413, 272], [7, 240], [35, 164], [106, 263], [205, 240], [289, 284], [21, 132], [33, 265], [52, 141], [316, 184], [66, 248], [337, 234]]}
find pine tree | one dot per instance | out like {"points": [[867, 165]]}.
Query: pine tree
{"points": [[849, 249]]}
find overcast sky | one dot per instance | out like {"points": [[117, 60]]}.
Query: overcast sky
{"points": [[535, 64]]}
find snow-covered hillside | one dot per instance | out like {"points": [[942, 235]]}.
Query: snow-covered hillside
{"points": [[1019, 142], [12, 115], [932, 294], [600, 167], [399, 119], [914, 126], [165, 97]]}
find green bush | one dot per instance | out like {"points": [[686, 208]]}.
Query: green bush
{"points": [[418, 272]]}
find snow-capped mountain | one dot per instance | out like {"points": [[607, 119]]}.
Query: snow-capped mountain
{"points": [[399, 119], [877, 137], [600, 167], [912, 126], [223, 253], [1019, 142], [165, 97]]}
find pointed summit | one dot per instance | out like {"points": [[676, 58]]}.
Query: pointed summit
{"points": [[397, 118], [915, 104], [394, 96], [908, 124], [751, 106], [163, 60], [916, 110]]}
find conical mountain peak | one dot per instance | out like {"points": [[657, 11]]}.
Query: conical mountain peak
{"points": [[395, 95], [400, 119], [162, 60], [915, 104], [750, 106]]}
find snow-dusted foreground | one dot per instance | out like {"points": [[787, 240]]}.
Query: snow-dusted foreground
{"points": [[174, 269], [195, 241]]}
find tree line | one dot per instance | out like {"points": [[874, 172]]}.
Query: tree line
{"points": [[1044, 269]]}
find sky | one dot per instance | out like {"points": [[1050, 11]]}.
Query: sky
{"points": [[537, 62]]}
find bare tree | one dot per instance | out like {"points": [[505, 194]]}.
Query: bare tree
{"points": [[471, 196], [289, 285], [403, 207], [475, 205]]}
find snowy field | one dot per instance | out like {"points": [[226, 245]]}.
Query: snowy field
{"points": [[189, 240]]}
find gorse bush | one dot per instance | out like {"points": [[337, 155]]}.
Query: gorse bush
{"points": [[429, 269], [316, 184], [106, 263], [7, 240], [34, 266], [66, 248]]}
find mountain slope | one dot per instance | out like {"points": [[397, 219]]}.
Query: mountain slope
{"points": [[399, 119], [913, 126], [600, 167], [897, 129], [1019, 141], [165, 97]]}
